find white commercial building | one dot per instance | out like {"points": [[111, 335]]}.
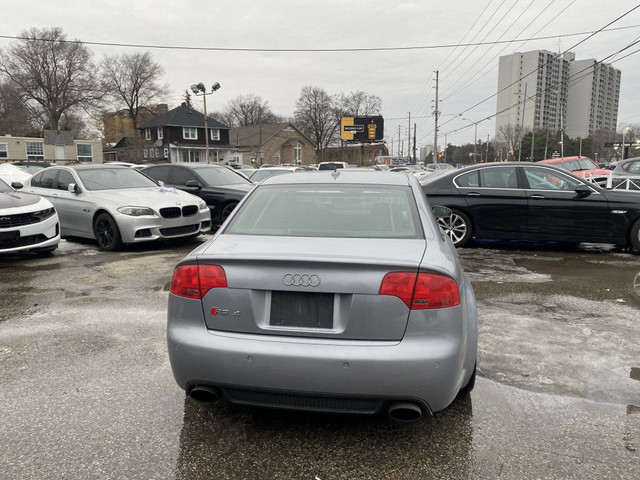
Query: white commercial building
{"points": [[579, 96]]}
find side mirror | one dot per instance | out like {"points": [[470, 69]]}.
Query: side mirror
{"points": [[441, 212], [583, 190], [17, 185], [73, 188], [193, 184]]}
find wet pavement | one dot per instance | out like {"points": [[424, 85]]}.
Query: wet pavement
{"points": [[87, 390]]}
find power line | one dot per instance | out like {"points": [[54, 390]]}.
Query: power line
{"points": [[309, 50]]}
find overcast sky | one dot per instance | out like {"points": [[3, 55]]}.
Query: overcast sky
{"points": [[402, 77]]}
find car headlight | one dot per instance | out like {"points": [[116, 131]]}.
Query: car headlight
{"points": [[136, 211], [202, 205]]}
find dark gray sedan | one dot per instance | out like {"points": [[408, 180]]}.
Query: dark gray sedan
{"points": [[292, 305]]}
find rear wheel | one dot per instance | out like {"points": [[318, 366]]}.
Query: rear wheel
{"points": [[635, 236], [106, 232], [226, 211], [457, 227]]}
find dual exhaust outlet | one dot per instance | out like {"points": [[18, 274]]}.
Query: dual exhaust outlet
{"points": [[401, 411]]}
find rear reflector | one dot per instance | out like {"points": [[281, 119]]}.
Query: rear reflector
{"points": [[421, 291], [194, 281]]}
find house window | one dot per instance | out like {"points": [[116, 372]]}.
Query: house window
{"points": [[157, 153], [145, 153], [166, 153], [215, 133], [189, 133], [35, 150], [4, 150], [84, 152], [160, 133], [147, 133], [297, 151]]}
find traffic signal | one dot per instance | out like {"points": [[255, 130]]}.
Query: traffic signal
{"points": [[470, 154]]}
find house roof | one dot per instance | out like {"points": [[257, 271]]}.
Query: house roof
{"points": [[183, 116], [250, 136]]}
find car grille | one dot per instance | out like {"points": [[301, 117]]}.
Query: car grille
{"points": [[19, 220], [303, 402], [175, 212], [177, 231], [18, 241]]}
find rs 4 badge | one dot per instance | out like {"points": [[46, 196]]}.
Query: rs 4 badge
{"points": [[224, 311]]}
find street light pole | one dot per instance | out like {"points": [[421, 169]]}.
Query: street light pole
{"points": [[475, 136], [200, 90], [624, 130]]}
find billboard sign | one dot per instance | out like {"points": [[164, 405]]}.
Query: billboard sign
{"points": [[362, 129]]}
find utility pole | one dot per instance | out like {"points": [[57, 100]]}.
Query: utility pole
{"points": [[524, 106], [399, 143], [409, 137], [414, 143], [435, 137]]}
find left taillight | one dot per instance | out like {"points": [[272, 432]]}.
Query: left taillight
{"points": [[422, 290], [194, 281]]}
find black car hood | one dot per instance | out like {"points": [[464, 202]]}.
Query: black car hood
{"points": [[14, 199]]}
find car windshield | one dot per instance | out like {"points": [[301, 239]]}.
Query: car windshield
{"points": [[4, 188], [576, 165], [220, 176], [114, 178], [357, 211]]}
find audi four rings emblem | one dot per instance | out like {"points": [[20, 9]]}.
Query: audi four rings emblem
{"points": [[301, 280]]}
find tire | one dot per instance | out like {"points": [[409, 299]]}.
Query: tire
{"points": [[634, 236], [457, 227], [226, 211], [470, 384], [106, 232]]}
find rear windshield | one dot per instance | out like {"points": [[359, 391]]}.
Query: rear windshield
{"points": [[358, 211]]}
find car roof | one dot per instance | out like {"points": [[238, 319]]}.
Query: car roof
{"points": [[338, 176], [563, 159]]}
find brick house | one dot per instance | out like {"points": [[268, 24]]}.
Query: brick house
{"points": [[282, 143]]}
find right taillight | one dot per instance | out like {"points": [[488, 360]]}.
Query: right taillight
{"points": [[421, 291], [194, 281]]}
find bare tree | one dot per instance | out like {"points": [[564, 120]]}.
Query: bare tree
{"points": [[360, 104], [510, 136], [14, 115], [133, 82], [316, 116], [51, 74], [247, 110]]}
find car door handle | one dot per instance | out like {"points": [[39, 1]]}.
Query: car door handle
{"points": [[537, 196], [473, 194]]}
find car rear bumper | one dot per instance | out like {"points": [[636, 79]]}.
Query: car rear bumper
{"points": [[429, 370]]}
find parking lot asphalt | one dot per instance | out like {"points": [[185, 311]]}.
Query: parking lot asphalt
{"points": [[87, 390]]}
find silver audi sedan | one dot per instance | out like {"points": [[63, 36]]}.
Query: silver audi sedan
{"points": [[116, 205], [330, 291]]}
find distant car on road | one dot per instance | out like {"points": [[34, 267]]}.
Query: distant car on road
{"points": [[27, 222], [532, 201], [582, 167], [332, 165], [291, 305], [116, 205], [221, 187], [436, 167]]}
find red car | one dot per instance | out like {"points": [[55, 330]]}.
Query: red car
{"points": [[583, 167]]}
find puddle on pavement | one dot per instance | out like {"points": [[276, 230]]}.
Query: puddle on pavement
{"points": [[635, 373]]}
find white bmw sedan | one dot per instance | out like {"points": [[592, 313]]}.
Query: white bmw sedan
{"points": [[116, 205], [27, 222]]}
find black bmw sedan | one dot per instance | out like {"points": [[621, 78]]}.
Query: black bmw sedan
{"points": [[221, 187], [534, 202]]}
